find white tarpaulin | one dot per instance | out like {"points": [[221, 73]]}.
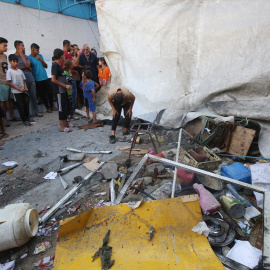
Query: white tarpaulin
{"points": [[176, 54]]}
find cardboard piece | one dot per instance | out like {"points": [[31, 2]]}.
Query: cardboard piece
{"points": [[241, 140], [92, 164]]}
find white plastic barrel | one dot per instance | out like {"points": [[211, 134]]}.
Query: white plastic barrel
{"points": [[18, 223]]}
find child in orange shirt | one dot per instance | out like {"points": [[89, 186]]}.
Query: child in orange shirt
{"points": [[104, 72]]}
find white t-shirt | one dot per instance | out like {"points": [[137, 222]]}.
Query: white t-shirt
{"points": [[16, 77]]}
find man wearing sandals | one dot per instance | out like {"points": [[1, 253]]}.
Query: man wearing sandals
{"points": [[6, 97], [59, 78]]}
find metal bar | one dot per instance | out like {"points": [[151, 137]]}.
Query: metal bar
{"points": [[69, 168], [62, 201], [88, 152], [145, 193], [94, 171], [266, 233], [130, 179], [231, 264], [202, 172], [176, 159]]}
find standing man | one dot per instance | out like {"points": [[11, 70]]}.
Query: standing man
{"points": [[25, 65], [120, 98], [75, 62], [6, 97], [89, 61], [38, 66]]}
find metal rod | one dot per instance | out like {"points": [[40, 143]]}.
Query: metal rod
{"points": [[88, 152], [130, 179], [145, 193], [176, 159], [228, 155], [69, 168], [94, 171], [62, 201]]}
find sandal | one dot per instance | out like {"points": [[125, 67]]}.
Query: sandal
{"points": [[71, 125], [66, 130]]}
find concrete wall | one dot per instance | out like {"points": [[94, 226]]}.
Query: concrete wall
{"points": [[48, 31]]}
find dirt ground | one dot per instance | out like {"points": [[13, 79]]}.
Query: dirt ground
{"points": [[37, 150]]}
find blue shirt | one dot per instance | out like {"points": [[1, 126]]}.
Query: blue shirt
{"points": [[39, 71], [87, 93]]}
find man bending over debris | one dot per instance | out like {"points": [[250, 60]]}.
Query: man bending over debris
{"points": [[120, 98]]}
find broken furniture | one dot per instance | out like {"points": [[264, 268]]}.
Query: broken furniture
{"points": [[145, 128]]}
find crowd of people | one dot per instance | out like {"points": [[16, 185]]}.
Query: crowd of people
{"points": [[76, 76]]}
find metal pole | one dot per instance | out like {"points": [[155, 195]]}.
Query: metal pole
{"points": [[176, 160]]}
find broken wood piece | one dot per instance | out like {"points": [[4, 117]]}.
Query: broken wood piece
{"points": [[88, 152], [57, 206], [63, 182], [241, 140], [127, 147], [138, 153], [190, 198], [88, 159], [91, 125]]}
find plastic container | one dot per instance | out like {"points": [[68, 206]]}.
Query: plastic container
{"points": [[186, 176], [18, 223], [238, 172], [208, 202]]}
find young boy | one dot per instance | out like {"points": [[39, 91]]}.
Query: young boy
{"points": [[16, 80], [90, 93], [6, 97], [59, 78]]}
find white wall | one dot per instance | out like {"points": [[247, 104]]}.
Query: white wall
{"points": [[23, 23]]}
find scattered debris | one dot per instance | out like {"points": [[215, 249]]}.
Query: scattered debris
{"points": [[50, 176], [41, 247], [151, 233], [201, 228], [105, 253], [10, 163], [45, 261]]}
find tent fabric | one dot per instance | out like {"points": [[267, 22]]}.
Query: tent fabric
{"points": [[179, 54]]}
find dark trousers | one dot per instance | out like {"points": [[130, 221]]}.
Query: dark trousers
{"points": [[22, 103], [80, 98], [117, 116], [63, 106], [44, 92]]}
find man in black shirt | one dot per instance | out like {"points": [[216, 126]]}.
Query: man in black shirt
{"points": [[59, 78], [89, 61]]}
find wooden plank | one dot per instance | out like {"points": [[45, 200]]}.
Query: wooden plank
{"points": [[190, 198], [241, 140]]}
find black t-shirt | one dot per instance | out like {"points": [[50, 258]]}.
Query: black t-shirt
{"points": [[91, 62], [58, 72]]}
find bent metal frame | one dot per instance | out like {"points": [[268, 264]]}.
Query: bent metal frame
{"points": [[265, 192]]}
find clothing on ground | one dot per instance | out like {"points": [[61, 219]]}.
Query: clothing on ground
{"points": [[17, 78]]}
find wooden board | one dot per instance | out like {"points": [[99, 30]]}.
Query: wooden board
{"points": [[241, 140]]}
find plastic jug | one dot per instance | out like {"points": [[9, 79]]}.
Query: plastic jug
{"points": [[208, 202], [18, 223]]}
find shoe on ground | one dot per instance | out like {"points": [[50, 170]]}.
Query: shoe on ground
{"points": [[31, 120], [54, 109], [112, 139], [27, 123], [49, 111], [126, 133], [39, 114]]}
